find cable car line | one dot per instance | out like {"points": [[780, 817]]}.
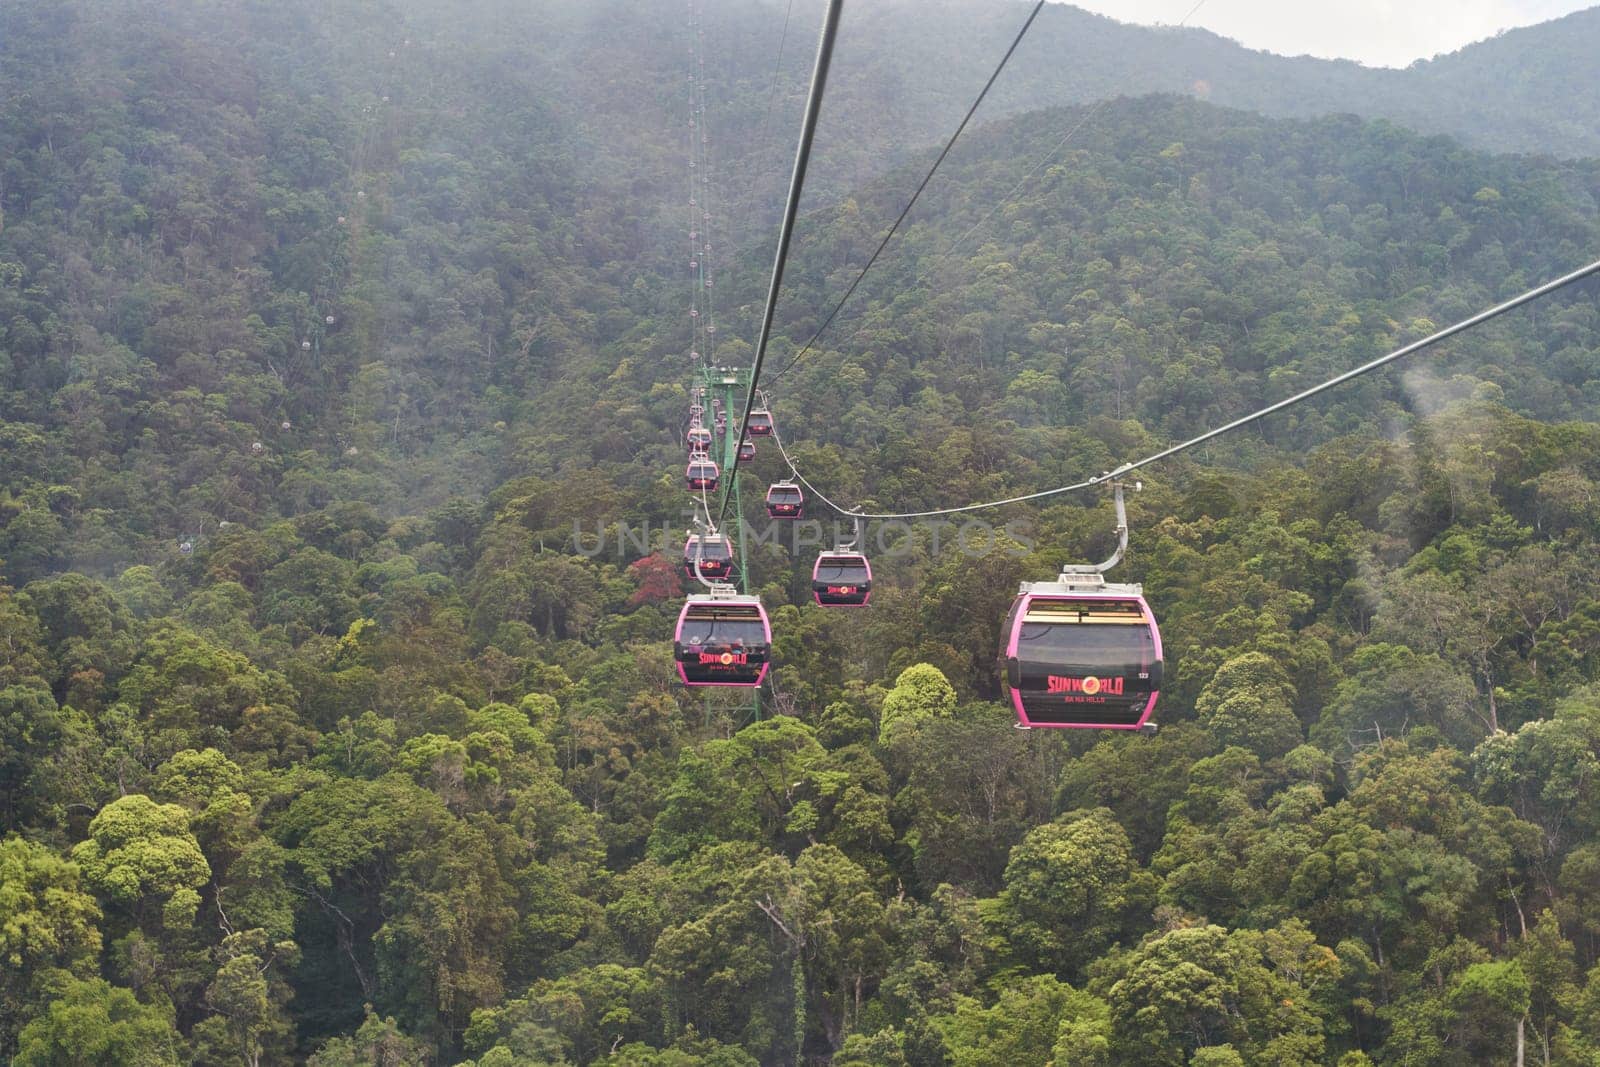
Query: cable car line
{"points": [[795, 471], [703, 314], [700, 141], [950, 144], [808, 130], [772, 90], [723, 638], [772, 93], [1048, 158], [940, 258], [1415, 346], [1076, 652], [706, 530]]}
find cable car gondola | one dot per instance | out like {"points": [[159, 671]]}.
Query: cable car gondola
{"points": [[747, 451], [785, 501], [714, 553], [1076, 656], [702, 473], [723, 639], [699, 438], [841, 580], [760, 423], [1081, 652]]}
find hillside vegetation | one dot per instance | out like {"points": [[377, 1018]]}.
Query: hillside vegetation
{"points": [[322, 329]]}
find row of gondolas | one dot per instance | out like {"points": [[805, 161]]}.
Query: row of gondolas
{"points": [[1074, 652]]}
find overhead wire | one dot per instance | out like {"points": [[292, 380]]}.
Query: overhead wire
{"points": [[696, 261], [697, 271], [995, 207], [802, 159], [772, 92], [701, 217], [1048, 158], [757, 175], [926, 178], [777, 439], [706, 218], [1306, 394], [709, 218]]}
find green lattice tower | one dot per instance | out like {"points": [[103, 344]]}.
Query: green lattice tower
{"points": [[731, 385]]}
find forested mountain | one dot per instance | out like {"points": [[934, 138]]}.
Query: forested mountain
{"points": [[323, 739], [1526, 90], [907, 70]]}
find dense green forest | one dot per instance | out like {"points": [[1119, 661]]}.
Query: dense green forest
{"points": [[323, 738]]}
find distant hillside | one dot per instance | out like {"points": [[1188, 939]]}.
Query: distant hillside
{"points": [[1527, 90], [258, 256], [270, 256], [906, 70]]}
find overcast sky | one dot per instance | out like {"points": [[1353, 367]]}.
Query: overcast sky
{"points": [[1379, 33]]}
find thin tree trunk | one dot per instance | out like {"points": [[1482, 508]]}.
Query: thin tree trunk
{"points": [[1521, 918]]}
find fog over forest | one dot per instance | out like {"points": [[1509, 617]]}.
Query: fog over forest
{"points": [[333, 732]]}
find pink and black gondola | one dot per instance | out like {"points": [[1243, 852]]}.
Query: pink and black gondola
{"points": [[785, 501], [1082, 658], [722, 640], [702, 474], [715, 555], [841, 580], [759, 424]]}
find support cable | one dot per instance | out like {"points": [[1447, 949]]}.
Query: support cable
{"points": [[1003, 201], [950, 144], [802, 159], [766, 128], [1382, 361]]}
